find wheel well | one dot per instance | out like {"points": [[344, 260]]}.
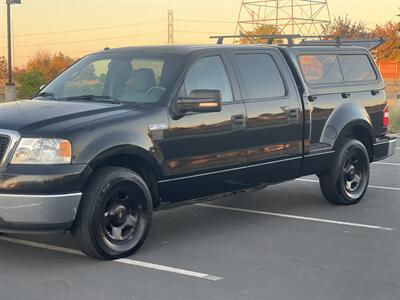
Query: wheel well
{"points": [[136, 164], [363, 135]]}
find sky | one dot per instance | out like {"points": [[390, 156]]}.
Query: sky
{"points": [[78, 27]]}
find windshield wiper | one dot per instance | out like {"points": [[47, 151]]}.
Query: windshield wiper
{"points": [[93, 98], [46, 95]]}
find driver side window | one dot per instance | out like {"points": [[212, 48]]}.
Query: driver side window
{"points": [[209, 73]]}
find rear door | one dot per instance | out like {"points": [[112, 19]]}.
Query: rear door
{"points": [[274, 135], [204, 153]]}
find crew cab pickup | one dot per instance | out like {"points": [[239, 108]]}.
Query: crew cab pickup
{"points": [[123, 131]]}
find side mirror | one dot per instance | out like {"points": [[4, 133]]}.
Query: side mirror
{"points": [[200, 101]]}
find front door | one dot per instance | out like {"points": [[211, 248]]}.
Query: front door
{"points": [[201, 149]]}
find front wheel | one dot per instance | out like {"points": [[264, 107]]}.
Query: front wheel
{"points": [[348, 180], [115, 214]]}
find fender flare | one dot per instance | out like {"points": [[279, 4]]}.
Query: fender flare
{"points": [[343, 120], [131, 150]]}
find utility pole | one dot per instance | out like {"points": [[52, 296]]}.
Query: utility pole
{"points": [[170, 27], [10, 91]]}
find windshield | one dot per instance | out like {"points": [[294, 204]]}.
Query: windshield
{"points": [[121, 77]]}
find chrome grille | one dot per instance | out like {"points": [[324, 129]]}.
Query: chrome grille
{"points": [[4, 143], [8, 141]]}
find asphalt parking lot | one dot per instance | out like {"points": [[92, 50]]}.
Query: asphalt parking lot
{"points": [[284, 242]]}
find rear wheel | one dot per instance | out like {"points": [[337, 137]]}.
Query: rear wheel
{"points": [[348, 180], [115, 215]]}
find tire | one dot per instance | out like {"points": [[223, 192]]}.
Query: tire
{"points": [[115, 214], [347, 182]]}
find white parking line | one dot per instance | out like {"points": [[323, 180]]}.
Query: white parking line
{"points": [[168, 269], [122, 261], [294, 217], [386, 164], [371, 186], [40, 245]]}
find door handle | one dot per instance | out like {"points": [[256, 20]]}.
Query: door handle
{"points": [[345, 95], [312, 98], [293, 114], [238, 121], [374, 92]]}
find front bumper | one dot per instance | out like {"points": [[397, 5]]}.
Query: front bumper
{"points": [[37, 213], [40, 199], [385, 147]]}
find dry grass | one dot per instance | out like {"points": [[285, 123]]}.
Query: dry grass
{"points": [[394, 118], [392, 92]]}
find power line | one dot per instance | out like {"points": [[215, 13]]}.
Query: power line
{"points": [[233, 2], [204, 21], [143, 23], [199, 32], [91, 28], [188, 2], [92, 40], [234, 22], [84, 52], [81, 52]]}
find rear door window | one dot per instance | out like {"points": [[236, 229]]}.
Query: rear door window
{"points": [[357, 67], [260, 75], [320, 68]]}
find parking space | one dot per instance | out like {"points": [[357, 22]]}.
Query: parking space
{"points": [[284, 242]]}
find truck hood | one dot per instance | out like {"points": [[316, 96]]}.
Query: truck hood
{"points": [[31, 115]]}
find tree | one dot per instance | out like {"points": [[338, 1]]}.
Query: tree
{"points": [[3, 67], [346, 28], [29, 83], [42, 68], [390, 50], [88, 73], [266, 29], [50, 65]]}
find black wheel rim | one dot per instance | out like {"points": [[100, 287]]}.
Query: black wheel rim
{"points": [[121, 215], [355, 173]]}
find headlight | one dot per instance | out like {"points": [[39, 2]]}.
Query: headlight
{"points": [[42, 152]]}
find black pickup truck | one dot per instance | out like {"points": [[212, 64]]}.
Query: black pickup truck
{"points": [[123, 131]]}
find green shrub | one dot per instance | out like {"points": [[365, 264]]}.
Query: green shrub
{"points": [[29, 84]]}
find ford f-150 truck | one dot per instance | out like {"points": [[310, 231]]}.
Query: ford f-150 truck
{"points": [[122, 131]]}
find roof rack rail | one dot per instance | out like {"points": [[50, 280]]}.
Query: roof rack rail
{"points": [[327, 40], [370, 44], [269, 38]]}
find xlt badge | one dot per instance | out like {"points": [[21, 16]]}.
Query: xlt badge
{"points": [[159, 126], [157, 131]]}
